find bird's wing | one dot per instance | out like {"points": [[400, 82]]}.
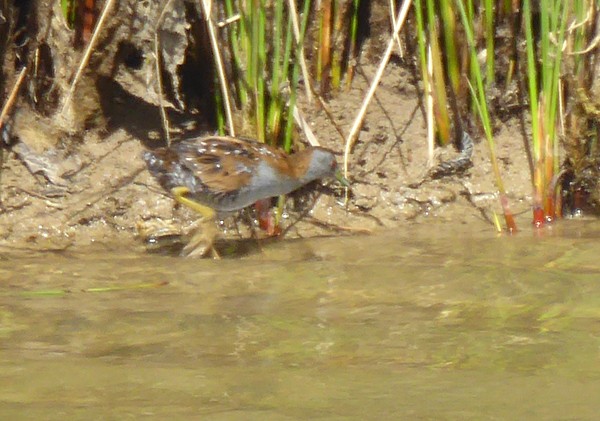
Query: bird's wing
{"points": [[224, 164]]}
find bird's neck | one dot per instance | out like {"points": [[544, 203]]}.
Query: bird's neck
{"points": [[299, 164]]}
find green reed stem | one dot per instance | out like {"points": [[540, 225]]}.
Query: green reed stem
{"points": [[352, 47], [219, 106], [250, 56], [532, 78], [558, 20], [69, 10], [235, 31], [431, 19], [422, 42], [259, 59], [479, 98], [449, 28], [264, 54], [437, 81], [544, 105], [262, 69], [287, 52], [276, 72]]}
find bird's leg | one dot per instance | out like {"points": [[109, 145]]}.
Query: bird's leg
{"points": [[180, 194], [266, 221], [202, 241]]}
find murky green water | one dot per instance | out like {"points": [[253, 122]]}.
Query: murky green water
{"points": [[422, 324]]}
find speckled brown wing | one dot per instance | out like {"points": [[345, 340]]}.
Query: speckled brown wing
{"points": [[276, 158], [221, 164]]}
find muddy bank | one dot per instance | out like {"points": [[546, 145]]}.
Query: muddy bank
{"points": [[74, 183], [103, 192]]}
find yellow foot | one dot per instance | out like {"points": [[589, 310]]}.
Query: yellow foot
{"points": [[202, 239], [202, 242], [200, 246]]}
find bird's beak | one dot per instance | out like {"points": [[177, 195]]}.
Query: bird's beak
{"points": [[343, 181]]}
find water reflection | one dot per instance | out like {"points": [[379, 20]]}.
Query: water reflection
{"points": [[419, 324]]}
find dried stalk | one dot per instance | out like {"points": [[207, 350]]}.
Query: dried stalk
{"points": [[305, 127], [159, 81], [303, 66], [351, 139], [396, 37], [429, 109], [206, 6], [13, 95]]}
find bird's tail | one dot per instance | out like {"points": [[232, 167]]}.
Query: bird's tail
{"points": [[163, 165]]}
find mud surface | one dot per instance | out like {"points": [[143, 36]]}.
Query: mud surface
{"points": [[100, 192]]}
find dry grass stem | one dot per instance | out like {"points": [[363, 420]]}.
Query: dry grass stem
{"points": [[303, 66], [229, 20], [159, 81], [305, 127], [429, 109], [351, 139], [13, 95], [396, 35], [561, 108], [593, 44], [206, 6]]}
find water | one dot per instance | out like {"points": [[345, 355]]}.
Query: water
{"points": [[426, 323]]}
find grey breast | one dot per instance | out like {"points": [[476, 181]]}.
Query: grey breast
{"points": [[265, 183]]}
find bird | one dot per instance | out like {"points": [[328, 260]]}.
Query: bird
{"points": [[218, 175]]}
